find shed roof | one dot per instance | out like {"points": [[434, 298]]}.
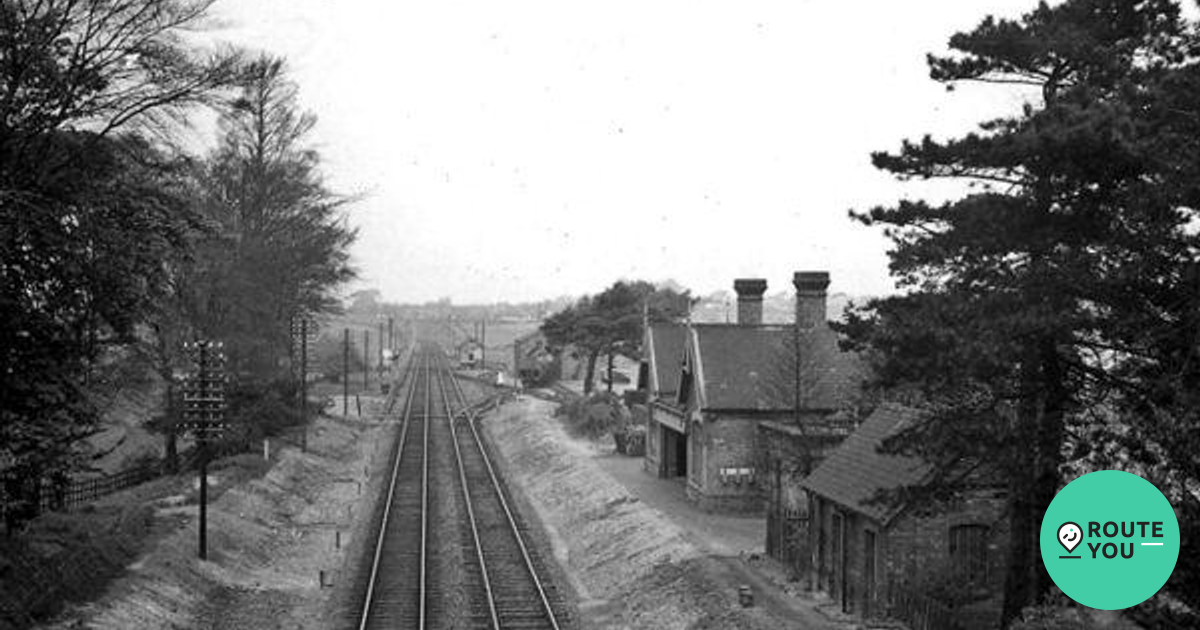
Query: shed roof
{"points": [[856, 471]]}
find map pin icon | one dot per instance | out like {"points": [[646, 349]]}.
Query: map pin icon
{"points": [[1069, 536]]}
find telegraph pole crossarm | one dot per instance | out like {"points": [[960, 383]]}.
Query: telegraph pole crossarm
{"points": [[204, 408], [303, 331]]}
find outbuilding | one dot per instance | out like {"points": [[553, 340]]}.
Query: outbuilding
{"points": [[877, 556]]}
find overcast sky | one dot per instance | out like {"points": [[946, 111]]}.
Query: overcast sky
{"points": [[518, 150]]}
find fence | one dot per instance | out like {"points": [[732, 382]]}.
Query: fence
{"points": [[66, 496], [24, 500], [50, 494], [920, 612]]}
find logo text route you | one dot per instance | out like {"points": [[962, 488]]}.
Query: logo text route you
{"points": [[1069, 535], [1120, 536]]}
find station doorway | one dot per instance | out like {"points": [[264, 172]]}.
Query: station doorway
{"points": [[674, 453]]}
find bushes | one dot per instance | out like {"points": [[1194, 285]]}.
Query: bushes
{"points": [[594, 416], [68, 557], [631, 440], [602, 414], [951, 585], [258, 409]]}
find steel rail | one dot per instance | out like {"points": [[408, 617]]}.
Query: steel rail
{"points": [[412, 376], [509, 518], [425, 491], [466, 490], [494, 528]]}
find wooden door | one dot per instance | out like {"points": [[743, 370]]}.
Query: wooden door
{"points": [[837, 587], [869, 568]]}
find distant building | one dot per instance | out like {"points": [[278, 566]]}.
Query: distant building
{"points": [[470, 354], [534, 363], [712, 386], [878, 557]]}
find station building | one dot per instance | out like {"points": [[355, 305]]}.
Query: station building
{"points": [[711, 387]]}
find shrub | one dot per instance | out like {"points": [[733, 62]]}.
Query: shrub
{"points": [[258, 409], [1055, 612], [951, 585], [594, 416]]}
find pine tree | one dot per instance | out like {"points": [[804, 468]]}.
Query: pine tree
{"points": [[610, 322], [1015, 292]]}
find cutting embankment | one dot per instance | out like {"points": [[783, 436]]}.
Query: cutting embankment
{"points": [[271, 538]]}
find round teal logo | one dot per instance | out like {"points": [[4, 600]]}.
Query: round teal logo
{"points": [[1110, 540]]}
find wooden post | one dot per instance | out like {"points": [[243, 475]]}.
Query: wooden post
{"points": [[346, 372], [304, 383], [203, 526]]}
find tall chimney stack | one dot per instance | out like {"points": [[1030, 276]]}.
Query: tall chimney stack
{"points": [[750, 300], [810, 298]]}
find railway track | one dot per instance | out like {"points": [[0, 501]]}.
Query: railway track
{"points": [[396, 586], [451, 552]]}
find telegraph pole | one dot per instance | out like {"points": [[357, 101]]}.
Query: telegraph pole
{"points": [[381, 349], [204, 415], [366, 359], [346, 372], [303, 329], [391, 338]]}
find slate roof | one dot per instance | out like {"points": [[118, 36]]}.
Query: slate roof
{"points": [[665, 343], [736, 366], [745, 367], [856, 471]]}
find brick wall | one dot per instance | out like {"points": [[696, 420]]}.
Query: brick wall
{"points": [[912, 556], [920, 559], [834, 555], [729, 478], [727, 441]]}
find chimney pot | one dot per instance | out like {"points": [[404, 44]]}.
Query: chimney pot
{"points": [[810, 298], [750, 297]]}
